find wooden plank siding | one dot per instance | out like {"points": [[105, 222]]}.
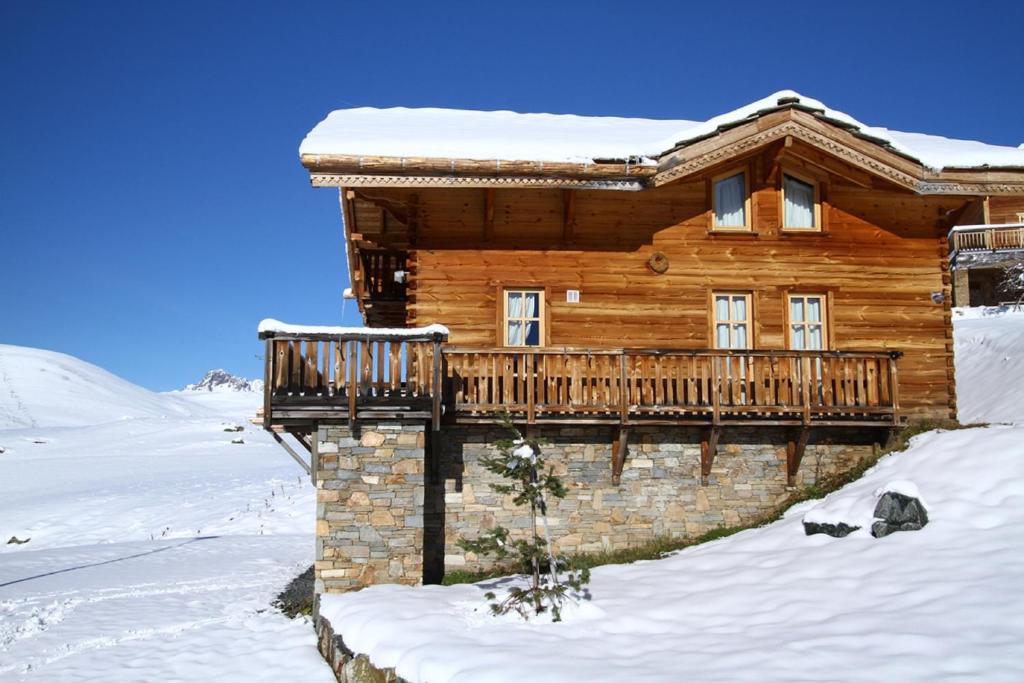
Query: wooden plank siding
{"points": [[879, 259]]}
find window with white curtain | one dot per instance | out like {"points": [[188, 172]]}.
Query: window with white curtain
{"points": [[799, 204], [524, 317], [729, 200], [807, 326], [731, 320]]}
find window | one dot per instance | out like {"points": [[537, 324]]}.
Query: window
{"points": [[730, 202], [524, 317], [807, 327], [732, 320], [801, 207]]}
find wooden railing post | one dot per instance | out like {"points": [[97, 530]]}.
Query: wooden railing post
{"points": [[528, 369], [894, 388], [435, 389], [268, 382], [354, 355], [716, 399], [623, 390]]}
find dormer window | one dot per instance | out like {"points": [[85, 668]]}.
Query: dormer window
{"points": [[730, 201], [801, 203]]}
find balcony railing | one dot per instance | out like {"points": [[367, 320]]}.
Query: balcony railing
{"points": [[672, 386], [987, 238], [324, 376]]}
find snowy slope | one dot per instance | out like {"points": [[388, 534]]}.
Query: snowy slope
{"points": [[155, 544], [940, 604], [48, 389], [989, 348]]}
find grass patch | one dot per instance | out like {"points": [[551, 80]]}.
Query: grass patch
{"points": [[659, 547]]}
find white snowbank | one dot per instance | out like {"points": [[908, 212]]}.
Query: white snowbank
{"points": [[48, 389], [155, 545], [505, 135], [989, 351], [276, 326], [940, 604]]}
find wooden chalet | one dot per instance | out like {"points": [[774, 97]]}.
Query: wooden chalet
{"points": [[780, 267]]}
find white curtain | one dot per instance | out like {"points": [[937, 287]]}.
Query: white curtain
{"points": [[730, 201], [799, 203], [515, 327]]}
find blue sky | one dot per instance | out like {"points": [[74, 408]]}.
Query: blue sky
{"points": [[152, 207]]}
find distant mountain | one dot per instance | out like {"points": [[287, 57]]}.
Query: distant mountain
{"points": [[223, 381]]}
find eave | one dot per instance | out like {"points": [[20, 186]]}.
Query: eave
{"points": [[378, 171]]}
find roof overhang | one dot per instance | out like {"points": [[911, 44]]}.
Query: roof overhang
{"points": [[364, 171], [858, 151]]}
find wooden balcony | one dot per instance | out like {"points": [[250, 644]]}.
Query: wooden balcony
{"points": [[348, 377], [987, 238], [379, 282]]}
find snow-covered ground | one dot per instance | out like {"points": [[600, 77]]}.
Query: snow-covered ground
{"points": [[989, 348], [942, 604], [155, 545]]}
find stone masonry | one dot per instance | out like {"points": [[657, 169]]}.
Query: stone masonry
{"points": [[369, 505], [391, 511]]}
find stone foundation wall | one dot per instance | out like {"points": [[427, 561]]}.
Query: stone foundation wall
{"points": [[348, 666], [391, 506], [369, 505], [660, 493]]}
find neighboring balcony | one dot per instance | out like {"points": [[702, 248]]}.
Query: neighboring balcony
{"points": [[980, 238], [380, 284], [364, 375]]}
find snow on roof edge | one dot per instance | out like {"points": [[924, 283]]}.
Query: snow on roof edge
{"points": [[270, 325], [505, 135]]}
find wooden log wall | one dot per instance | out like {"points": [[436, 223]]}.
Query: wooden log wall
{"points": [[880, 258], [1005, 209]]}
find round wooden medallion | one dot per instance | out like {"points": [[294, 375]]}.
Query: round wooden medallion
{"points": [[658, 262]]}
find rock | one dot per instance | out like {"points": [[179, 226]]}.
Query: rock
{"points": [[238, 440], [14, 540], [234, 428], [898, 512], [837, 530]]}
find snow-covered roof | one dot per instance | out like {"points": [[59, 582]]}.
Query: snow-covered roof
{"points": [[505, 135]]}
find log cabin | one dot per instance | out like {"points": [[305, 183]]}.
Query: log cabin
{"points": [[698, 316]]}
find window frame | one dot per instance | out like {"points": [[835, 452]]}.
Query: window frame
{"points": [[748, 225], [714, 321], [540, 317], [814, 183], [826, 320]]}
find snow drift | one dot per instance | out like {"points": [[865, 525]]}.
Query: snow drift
{"points": [[48, 389], [771, 604], [989, 348]]}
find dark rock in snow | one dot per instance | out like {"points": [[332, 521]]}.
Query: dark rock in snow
{"points": [[837, 530], [897, 512], [234, 428], [238, 440], [14, 540]]}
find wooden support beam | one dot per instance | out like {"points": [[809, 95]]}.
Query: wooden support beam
{"points": [[291, 451], [795, 454], [488, 214], [620, 445], [568, 215], [708, 450]]}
